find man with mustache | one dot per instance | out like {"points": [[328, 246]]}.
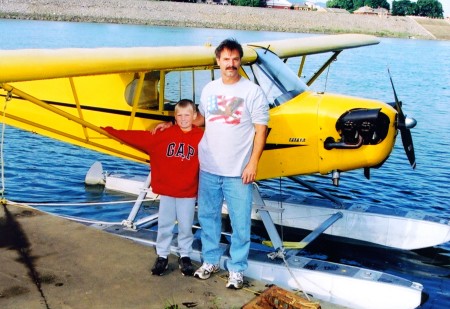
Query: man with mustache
{"points": [[234, 111]]}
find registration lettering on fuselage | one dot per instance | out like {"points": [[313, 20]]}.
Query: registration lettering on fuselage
{"points": [[297, 139]]}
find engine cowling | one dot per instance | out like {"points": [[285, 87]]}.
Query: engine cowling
{"points": [[359, 127]]}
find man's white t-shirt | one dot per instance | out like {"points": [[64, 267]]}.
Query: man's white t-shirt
{"points": [[230, 113]]}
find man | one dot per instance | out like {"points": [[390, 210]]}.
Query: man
{"points": [[234, 111]]}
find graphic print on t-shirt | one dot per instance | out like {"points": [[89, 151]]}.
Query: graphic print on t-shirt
{"points": [[225, 109]]}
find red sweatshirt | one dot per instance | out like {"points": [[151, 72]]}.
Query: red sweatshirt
{"points": [[174, 157]]}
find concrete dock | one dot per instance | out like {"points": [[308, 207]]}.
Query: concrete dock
{"points": [[50, 262]]}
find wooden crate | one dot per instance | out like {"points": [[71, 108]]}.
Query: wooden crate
{"points": [[276, 298]]}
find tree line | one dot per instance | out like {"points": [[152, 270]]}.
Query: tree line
{"points": [[427, 8]]}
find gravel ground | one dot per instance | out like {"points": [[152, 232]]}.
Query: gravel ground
{"points": [[164, 13]]}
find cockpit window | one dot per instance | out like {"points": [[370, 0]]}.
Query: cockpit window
{"points": [[160, 90], [148, 98], [277, 80], [167, 86]]}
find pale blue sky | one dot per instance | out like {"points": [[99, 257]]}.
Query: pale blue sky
{"points": [[446, 7]]}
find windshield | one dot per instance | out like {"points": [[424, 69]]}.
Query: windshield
{"points": [[277, 80]]}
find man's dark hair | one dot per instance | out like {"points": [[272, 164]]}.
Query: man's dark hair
{"points": [[231, 44]]}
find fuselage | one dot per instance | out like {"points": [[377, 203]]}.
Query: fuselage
{"points": [[308, 132]]}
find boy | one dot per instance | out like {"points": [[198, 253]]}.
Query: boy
{"points": [[175, 167]]}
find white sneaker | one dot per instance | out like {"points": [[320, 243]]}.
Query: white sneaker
{"points": [[205, 271], [235, 280]]}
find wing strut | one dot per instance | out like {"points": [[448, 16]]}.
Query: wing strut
{"points": [[57, 111], [77, 102], [136, 98], [324, 66], [302, 65], [53, 109]]}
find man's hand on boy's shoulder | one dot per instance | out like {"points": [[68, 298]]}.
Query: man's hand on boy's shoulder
{"points": [[162, 126]]}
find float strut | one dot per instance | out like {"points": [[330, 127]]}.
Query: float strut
{"points": [[323, 193], [137, 205], [319, 230], [267, 220]]}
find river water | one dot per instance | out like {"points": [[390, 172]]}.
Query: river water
{"points": [[40, 170]]}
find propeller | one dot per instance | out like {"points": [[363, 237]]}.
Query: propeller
{"points": [[404, 124]]}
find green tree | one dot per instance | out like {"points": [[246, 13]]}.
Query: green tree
{"points": [[347, 4], [427, 8], [357, 4], [254, 3], [402, 8], [430, 8], [351, 5], [332, 4], [340, 4], [376, 4]]}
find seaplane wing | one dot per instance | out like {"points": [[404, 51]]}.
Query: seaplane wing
{"points": [[316, 45], [41, 64], [69, 94]]}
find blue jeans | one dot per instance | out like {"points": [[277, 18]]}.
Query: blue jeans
{"points": [[172, 210], [213, 189]]}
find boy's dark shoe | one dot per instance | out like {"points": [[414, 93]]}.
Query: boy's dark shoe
{"points": [[161, 265], [186, 266]]}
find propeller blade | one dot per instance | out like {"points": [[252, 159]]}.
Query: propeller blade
{"points": [[408, 146], [404, 131], [393, 88], [367, 172]]}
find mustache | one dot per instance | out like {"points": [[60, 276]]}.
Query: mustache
{"points": [[231, 67]]}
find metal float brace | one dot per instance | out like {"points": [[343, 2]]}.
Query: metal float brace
{"points": [[277, 243], [129, 222]]}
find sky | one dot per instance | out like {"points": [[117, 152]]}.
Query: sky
{"points": [[445, 7]]}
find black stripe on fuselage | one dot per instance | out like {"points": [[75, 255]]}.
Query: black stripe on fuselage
{"points": [[280, 146], [106, 110], [114, 111]]}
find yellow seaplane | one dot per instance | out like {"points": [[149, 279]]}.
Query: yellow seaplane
{"points": [[69, 94]]}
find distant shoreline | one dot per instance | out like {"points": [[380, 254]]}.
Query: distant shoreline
{"points": [[163, 13]]}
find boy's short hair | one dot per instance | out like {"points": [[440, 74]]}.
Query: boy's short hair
{"points": [[231, 44], [185, 103]]}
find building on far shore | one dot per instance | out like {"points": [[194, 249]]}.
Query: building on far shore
{"points": [[278, 4], [302, 7], [367, 10], [223, 2], [333, 10], [307, 5]]}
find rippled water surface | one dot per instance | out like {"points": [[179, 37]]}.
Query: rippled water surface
{"points": [[40, 170]]}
